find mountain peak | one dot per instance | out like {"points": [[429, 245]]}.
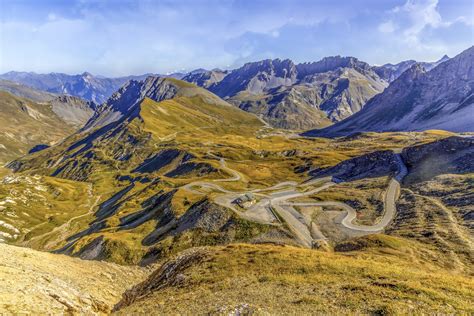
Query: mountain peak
{"points": [[413, 72], [197, 71], [331, 63], [440, 98], [444, 58], [87, 74]]}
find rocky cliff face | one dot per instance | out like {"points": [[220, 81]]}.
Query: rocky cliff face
{"points": [[419, 100], [390, 72], [204, 78], [257, 77], [296, 96], [73, 110]]}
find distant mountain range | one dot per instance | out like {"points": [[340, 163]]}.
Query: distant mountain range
{"points": [[284, 94], [86, 86], [302, 96], [296, 96], [442, 98], [390, 72]]}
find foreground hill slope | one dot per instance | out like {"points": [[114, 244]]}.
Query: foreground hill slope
{"points": [[388, 276], [33, 282], [418, 100], [385, 275]]}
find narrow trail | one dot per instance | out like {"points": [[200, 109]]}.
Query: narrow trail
{"points": [[64, 227]]}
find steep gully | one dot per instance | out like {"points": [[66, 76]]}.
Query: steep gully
{"points": [[272, 205]]}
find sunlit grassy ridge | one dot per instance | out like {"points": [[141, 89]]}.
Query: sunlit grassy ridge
{"points": [[390, 277], [191, 117]]}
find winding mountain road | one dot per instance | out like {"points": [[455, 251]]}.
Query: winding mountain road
{"points": [[271, 207]]}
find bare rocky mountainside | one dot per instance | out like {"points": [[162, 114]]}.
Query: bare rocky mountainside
{"points": [[296, 96], [25, 124], [390, 72], [441, 98], [23, 91]]}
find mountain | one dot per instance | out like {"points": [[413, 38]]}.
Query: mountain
{"points": [[74, 111], [86, 86], [148, 130], [25, 123], [205, 78], [125, 103], [390, 72], [168, 175], [296, 96], [441, 98], [23, 91]]}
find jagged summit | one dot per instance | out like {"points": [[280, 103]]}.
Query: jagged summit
{"points": [[296, 96], [418, 100], [331, 63], [390, 72]]}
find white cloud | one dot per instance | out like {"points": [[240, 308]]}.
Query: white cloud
{"points": [[123, 37], [413, 18], [52, 17], [387, 27], [422, 14]]}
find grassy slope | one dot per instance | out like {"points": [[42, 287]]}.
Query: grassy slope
{"points": [[38, 205], [365, 196], [384, 279], [194, 122], [24, 123], [193, 125], [38, 283]]}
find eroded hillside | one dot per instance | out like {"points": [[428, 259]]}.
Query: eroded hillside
{"points": [[177, 167]]}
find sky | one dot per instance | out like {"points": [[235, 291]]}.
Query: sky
{"points": [[123, 37]]}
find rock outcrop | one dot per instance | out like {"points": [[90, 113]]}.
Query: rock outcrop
{"points": [[418, 100]]}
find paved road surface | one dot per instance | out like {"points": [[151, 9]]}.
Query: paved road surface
{"points": [[277, 202]]}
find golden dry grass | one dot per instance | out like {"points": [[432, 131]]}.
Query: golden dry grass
{"points": [[266, 279]]}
